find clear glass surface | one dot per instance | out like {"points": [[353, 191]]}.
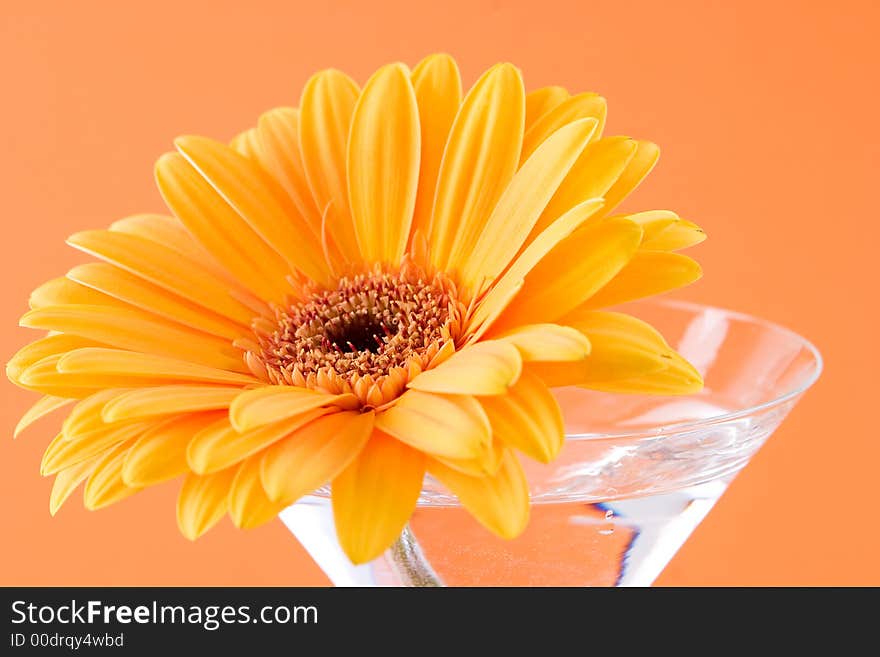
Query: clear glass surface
{"points": [[637, 474]]}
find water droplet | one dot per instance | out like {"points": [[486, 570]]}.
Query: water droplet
{"points": [[607, 532]]}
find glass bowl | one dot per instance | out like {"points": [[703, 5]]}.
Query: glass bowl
{"points": [[637, 473]]}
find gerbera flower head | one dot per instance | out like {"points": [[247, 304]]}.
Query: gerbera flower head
{"points": [[381, 283]]}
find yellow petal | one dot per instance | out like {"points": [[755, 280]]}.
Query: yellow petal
{"points": [[636, 171], [595, 172], [374, 496], [64, 453], [279, 138], [51, 345], [614, 360], [267, 404], [258, 200], [437, 85], [105, 485], [86, 416], [160, 453], [326, 107], [682, 235], [43, 376], [247, 143], [249, 505], [581, 106], [540, 101], [202, 501], [481, 156], [103, 284], [163, 267], [219, 446], [141, 369], [547, 342], [615, 333], [484, 368], [330, 246], [314, 454], [168, 400], [134, 290], [527, 418], [678, 378], [623, 347], [511, 282], [383, 164], [487, 463], [679, 234], [500, 502], [63, 291], [646, 274], [653, 223], [499, 238], [170, 232], [616, 326], [67, 480], [55, 446], [572, 272], [453, 426], [129, 328], [43, 407], [220, 229]]}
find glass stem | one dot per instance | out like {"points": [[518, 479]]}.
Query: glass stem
{"points": [[409, 563]]}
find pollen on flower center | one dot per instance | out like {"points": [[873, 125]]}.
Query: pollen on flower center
{"points": [[369, 336]]}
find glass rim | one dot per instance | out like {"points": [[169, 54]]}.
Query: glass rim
{"points": [[689, 425]]}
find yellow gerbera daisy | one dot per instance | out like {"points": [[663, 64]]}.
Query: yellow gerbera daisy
{"points": [[381, 283]]}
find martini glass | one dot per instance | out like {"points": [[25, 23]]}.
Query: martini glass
{"points": [[636, 476]]}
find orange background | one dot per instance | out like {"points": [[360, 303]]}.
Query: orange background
{"points": [[767, 116]]}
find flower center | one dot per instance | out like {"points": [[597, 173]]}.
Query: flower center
{"points": [[361, 334], [369, 336]]}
